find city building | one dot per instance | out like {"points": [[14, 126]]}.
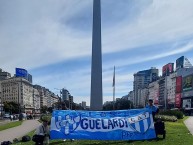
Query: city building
{"points": [[83, 104], [141, 81], [186, 74], [131, 96], [29, 78], [154, 91], [167, 69], [143, 97], [171, 90], [36, 101], [183, 62], [1, 108], [18, 90], [162, 92], [47, 98], [54, 99], [4, 75], [65, 94], [70, 101], [42, 93]]}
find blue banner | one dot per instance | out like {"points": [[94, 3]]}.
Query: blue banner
{"points": [[135, 124]]}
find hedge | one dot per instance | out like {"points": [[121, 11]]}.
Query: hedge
{"points": [[166, 118], [175, 113]]}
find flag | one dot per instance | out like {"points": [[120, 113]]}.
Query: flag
{"points": [[114, 77]]}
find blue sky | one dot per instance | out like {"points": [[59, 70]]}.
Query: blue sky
{"points": [[53, 40]]}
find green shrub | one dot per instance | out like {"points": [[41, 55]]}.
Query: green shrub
{"points": [[176, 113], [46, 117], [166, 118]]}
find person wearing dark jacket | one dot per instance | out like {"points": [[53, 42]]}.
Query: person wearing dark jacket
{"points": [[160, 128]]}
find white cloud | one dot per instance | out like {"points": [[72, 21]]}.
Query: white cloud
{"points": [[38, 33], [33, 34]]}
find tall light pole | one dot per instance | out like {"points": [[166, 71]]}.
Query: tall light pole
{"points": [[59, 99], [96, 99]]}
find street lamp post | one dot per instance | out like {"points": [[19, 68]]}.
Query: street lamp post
{"points": [[59, 100]]}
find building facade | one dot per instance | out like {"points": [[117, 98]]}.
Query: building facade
{"points": [[65, 94], [154, 91], [36, 101], [187, 87], [141, 81], [143, 97], [83, 104], [18, 90], [171, 90], [4, 75]]}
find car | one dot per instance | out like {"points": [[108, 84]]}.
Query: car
{"points": [[6, 116]]}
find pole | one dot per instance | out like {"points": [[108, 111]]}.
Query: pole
{"points": [[114, 89]]}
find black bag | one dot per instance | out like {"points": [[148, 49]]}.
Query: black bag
{"points": [[38, 138], [26, 138], [15, 140], [6, 143]]}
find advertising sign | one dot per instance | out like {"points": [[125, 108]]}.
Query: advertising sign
{"points": [[136, 124], [164, 70], [180, 63], [187, 83], [178, 100], [167, 69], [179, 84], [20, 72]]}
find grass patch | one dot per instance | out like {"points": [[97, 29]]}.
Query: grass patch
{"points": [[176, 134], [10, 125]]}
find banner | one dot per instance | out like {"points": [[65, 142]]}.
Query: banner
{"points": [[135, 124]]}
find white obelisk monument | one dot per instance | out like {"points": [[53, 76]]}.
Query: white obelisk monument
{"points": [[96, 99]]}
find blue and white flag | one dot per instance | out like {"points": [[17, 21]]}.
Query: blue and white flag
{"points": [[135, 124]]}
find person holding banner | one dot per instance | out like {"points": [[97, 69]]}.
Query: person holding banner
{"points": [[152, 107]]}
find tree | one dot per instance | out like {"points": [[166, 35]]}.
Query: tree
{"points": [[44, 109], [121, 104], [11, 107], [50, 109]]}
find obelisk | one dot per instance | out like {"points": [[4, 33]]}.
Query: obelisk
{"points": [[96, 99]]}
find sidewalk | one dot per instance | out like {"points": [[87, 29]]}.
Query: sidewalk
{"points": [[189, 124], [19, 131]]}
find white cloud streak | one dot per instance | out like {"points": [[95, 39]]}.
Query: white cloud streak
{"points": [[38, 33]]}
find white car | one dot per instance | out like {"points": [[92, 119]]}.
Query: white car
{"points": [[6, 116]]}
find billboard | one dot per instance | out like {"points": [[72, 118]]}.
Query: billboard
{"points": [[180, 63], [167, 69], [179, 84], [187, 83], [178, 100], [20, 72]]}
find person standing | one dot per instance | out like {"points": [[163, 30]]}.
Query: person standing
{"points": [[43, 132], [152, 107]]}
